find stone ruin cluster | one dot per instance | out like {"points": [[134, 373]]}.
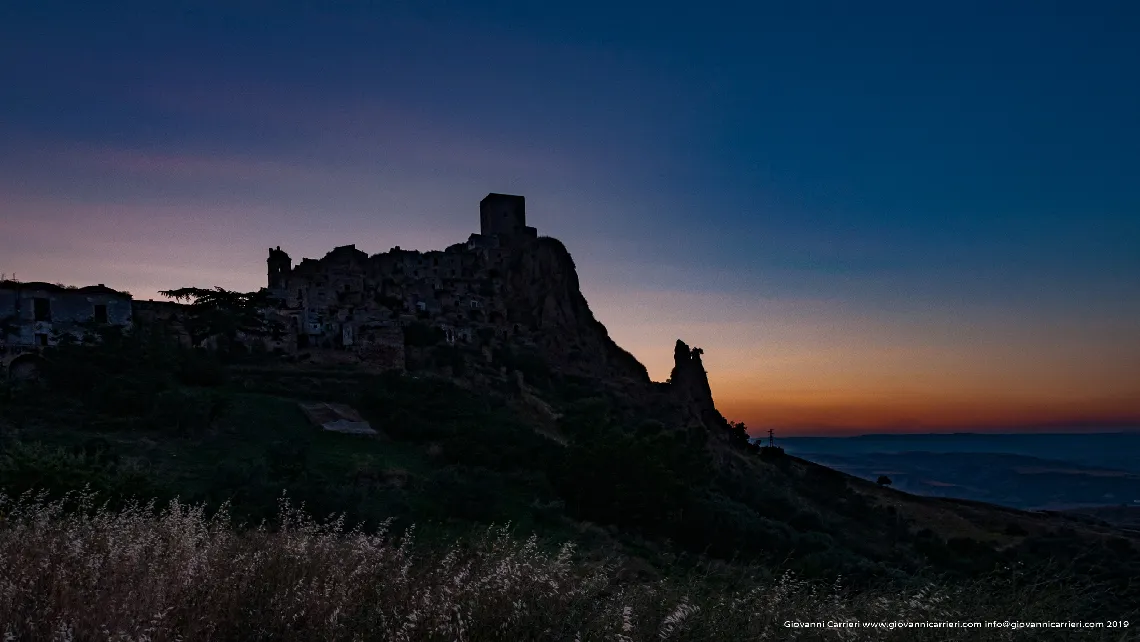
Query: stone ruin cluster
{"points": [[360, 306]]}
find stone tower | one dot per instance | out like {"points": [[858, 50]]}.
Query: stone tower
{"points": [[504, 215], [279, 267]]}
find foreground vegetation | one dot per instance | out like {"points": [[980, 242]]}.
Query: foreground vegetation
{"points": [[75, 570]]}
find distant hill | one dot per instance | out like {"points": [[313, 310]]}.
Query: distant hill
{"points": [[1113, 450], [1122, 516], [1011, 480]]}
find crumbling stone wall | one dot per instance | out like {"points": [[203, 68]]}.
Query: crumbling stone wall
{"points": [[339, 300]]}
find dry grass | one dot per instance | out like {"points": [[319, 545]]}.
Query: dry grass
{"points": [[73, 570]]}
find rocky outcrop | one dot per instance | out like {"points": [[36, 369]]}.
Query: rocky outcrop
{"points": [[689, 386], [541, 293]]}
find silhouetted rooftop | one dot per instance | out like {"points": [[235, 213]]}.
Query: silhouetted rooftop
{"points": [[55, 287]]}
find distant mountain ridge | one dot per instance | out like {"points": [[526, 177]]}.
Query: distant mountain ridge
{"points": [[1051, 471], [1117, 450]]}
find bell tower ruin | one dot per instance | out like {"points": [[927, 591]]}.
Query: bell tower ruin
{"points": [[279, 265]]}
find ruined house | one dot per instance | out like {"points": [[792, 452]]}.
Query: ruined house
{"points": [[35, 315]]}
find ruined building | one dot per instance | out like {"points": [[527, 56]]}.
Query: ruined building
{"points": [[363, 304], [35, 315]]}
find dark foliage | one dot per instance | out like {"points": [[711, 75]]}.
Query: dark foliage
{"points": [[224, 315], [93, 465]]}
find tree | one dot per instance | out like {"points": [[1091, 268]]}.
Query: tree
{"points": [[883, 480], [223, 315], [738, 431]]}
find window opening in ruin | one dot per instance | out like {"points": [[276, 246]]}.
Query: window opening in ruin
{"points": [[100, 314], [42, 308], [41, 339]]}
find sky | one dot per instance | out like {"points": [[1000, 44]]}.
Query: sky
{"points": [[873, 216]]}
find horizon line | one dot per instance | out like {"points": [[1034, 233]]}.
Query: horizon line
{"points": [[1007, 432]]}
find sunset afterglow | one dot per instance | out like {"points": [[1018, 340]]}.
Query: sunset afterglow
{"points": [[921, 249]]}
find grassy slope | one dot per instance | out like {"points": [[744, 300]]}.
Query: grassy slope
{"points": [[454, 456], [263, 444]]}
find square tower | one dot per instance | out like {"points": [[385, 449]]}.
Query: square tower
{"points": [[279, 265], [502, 215]]}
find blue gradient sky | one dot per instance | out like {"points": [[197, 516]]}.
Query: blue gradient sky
{"points": [[870, 215]]}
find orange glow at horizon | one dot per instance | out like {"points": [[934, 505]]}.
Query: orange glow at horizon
{"points": [[810, 367], [800, 365]]}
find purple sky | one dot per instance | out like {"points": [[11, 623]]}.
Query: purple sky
{"points": [[885, 217]]}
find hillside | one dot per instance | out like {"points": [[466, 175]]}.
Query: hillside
{"points": [[562, 433]]}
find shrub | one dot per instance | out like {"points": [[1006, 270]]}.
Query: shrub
{"points": [[93, 466]]}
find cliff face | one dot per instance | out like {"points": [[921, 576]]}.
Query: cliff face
{"points": [[512, 291], [541, 293]]}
